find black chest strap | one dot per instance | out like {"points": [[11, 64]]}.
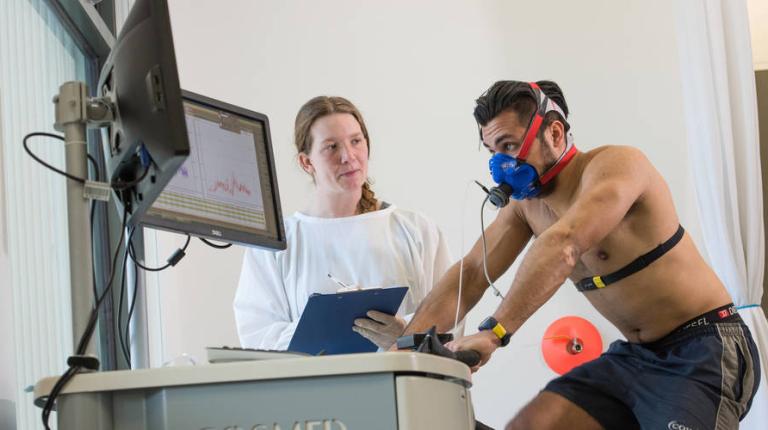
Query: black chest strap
{"points": [[640, 263]]}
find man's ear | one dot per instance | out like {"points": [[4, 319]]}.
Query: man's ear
{"points": [[558, 134], [306, 163]]}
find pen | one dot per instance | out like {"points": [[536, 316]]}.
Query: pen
{"points": [[338, 281]]}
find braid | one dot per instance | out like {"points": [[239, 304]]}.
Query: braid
{"points": [[367, 201]]}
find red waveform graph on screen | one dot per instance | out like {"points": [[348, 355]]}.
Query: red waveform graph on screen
{"points": [[230, 186]]}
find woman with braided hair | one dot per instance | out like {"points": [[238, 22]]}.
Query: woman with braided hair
{"points": [[344, 230]]}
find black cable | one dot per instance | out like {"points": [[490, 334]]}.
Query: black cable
{"points": [[85, 337], [214, 245], [175, 257], [39, 160], [120, 186], [92, 216], [68, 374], [83, 345], [93, 212], [132, 252], [121, 341], [125, 336], [95, 165], [93, 267], [125, 185], [130, 310]]}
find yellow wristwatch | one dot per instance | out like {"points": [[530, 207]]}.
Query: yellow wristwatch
{"points": [[491, 324]]}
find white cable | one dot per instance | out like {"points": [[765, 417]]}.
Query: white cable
{"points": [[461, 262], [485, 251]]}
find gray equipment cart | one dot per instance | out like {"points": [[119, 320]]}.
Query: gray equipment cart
{"points": [[393, 390]]}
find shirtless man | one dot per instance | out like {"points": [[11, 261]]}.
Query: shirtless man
{"points": [[689, 362]]}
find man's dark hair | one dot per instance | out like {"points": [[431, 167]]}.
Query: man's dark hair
{"points": [[519, 97]]}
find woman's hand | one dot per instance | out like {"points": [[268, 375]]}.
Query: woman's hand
{"points": [[381, 329]]}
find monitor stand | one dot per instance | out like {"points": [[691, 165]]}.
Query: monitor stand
{"points": [[75, 111]]}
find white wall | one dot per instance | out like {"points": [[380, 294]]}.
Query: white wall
{"points": [[414, 69], [758, 17]]}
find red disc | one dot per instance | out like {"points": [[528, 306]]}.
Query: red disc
{"points": [[570, 342]]}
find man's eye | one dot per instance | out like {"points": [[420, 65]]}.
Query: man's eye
{"points": [[331, 147], [356, 141]]}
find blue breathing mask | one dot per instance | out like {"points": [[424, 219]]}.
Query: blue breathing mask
{"points": [[520, 176], [517, 178]]}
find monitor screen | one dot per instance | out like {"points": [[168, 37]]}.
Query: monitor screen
{"points": [[227, 188]]}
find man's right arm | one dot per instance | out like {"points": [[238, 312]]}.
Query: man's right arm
{"points": [[506, 237]]}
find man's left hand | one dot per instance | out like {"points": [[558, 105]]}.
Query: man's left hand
{"points": [[484, 342]]}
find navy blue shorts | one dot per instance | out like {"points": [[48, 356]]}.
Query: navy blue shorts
{"points": [[701, 376]]}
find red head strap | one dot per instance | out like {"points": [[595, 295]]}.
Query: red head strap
{"points": [[545, 105]]}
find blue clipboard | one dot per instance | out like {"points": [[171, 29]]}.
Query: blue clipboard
{"points": [[326, 324]]}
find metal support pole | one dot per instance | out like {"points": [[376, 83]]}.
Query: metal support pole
{"points": [[71, 118]]}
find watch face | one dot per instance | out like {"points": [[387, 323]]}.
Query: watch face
{"points": [[488, 324]]}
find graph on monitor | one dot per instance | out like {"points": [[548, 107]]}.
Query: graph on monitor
{"points": [[226, 189]]}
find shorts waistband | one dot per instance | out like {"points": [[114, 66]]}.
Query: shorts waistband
{"points": [[726, 313], [699, 325]]}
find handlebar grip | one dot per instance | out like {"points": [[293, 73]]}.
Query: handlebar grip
{"points": [[470, 357]]}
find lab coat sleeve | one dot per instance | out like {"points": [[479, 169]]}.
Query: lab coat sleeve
{"points": [[440, 263], [262, 310], [436, 259], [442, 260]]}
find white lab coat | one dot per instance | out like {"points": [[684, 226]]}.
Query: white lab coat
{"points": [[388, 247]]}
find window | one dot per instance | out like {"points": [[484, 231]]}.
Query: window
{"points": [[40, 49]]}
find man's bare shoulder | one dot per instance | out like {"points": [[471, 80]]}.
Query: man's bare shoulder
{"points": [[612, 153], [616, 161]]}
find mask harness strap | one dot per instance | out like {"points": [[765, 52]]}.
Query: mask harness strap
{"points": [[546, 105]]}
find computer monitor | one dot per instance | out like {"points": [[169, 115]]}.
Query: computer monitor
{"points": [[227, 189], [147, 141]]}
